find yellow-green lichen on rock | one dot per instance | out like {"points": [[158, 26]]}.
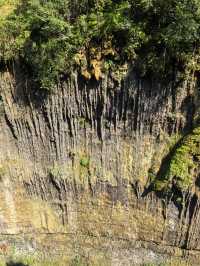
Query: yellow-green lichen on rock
{"points": [[182, 166]]}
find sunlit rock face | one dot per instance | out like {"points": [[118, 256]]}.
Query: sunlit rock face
{"points": [[75, 164]]}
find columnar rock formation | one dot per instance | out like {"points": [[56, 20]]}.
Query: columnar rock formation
{"points": [[75, 168]]}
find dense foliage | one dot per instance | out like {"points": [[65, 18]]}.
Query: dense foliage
{"points": [[51, 37]]}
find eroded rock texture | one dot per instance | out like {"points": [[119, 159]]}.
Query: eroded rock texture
{"points": [[74, 167]]}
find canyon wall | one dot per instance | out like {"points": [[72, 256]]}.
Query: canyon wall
{"points": [[75, 168]]}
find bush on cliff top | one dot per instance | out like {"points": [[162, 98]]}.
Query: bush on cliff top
{"points": [[52, 37]]}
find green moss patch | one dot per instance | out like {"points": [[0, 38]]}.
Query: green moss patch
{"points": [[85, 161], [182, 166]]}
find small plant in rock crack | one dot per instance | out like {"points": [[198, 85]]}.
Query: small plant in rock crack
{"points": [[78, 261], [2, 110], [2, 172], [85, 161]]}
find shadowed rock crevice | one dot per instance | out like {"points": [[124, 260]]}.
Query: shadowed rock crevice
{"points": [[11, 263]]}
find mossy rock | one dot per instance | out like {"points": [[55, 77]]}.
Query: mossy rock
{"points": [[85, 161], [183, 165], [2, 171]]}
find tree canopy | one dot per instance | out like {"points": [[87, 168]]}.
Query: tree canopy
{"points": [[97, 36]]}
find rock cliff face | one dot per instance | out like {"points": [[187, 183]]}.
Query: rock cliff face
{"points": [[74, 170]]}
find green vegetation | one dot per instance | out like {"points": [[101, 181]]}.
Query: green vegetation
{"points": [[164, 264], [51, 38], [85, 161], [2, 172], [183, 164], [170, 263], [78, 261], [35, 260]]}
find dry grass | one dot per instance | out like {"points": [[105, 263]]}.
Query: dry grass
{"points": [[6, 7]]}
